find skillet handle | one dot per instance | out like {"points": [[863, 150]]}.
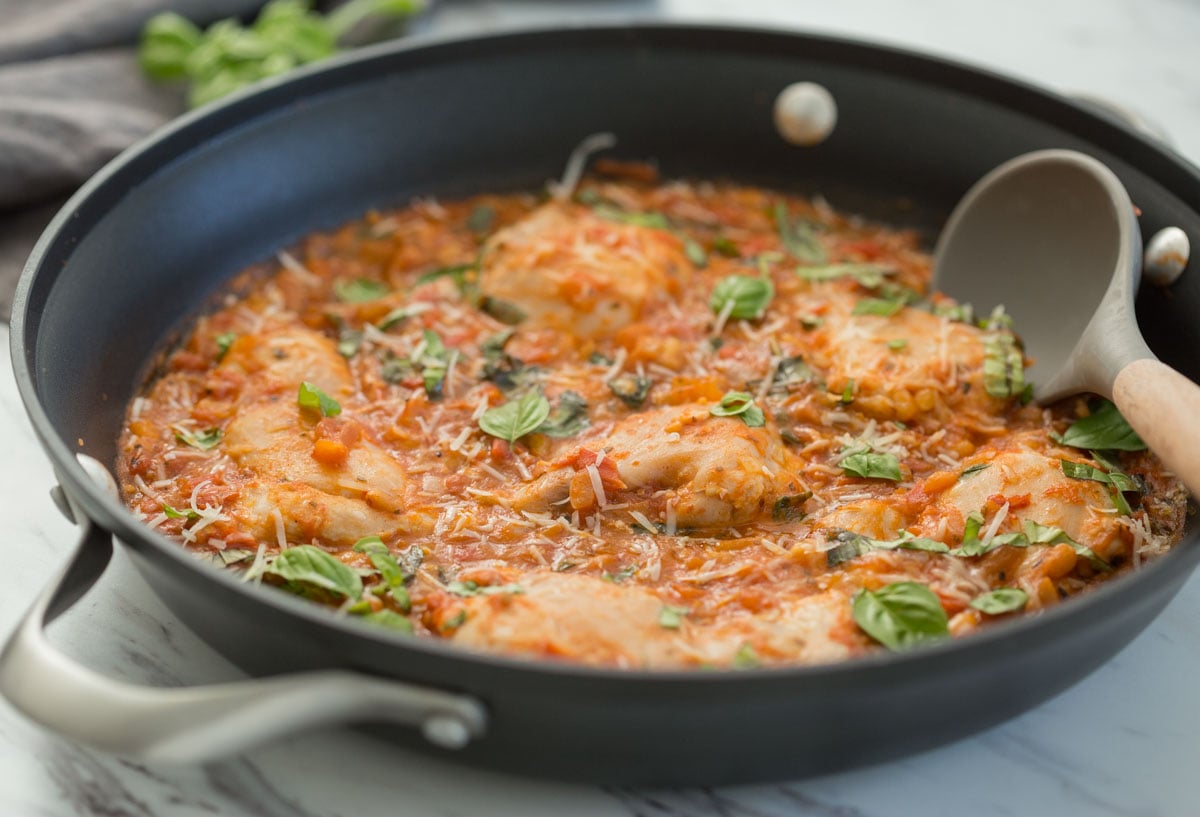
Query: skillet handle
{"points": [[1163, 407], [194, 724]]}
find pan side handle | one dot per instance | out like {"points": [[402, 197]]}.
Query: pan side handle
{"points": [[194, 724]]}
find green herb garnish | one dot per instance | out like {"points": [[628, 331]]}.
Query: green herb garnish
{"points": [[360, 290], [1000, 601], [739, 404], [872, 465], [790, 508], [695, 253], [516, 418], [306, 566], [503, 311], [883, 307], [434, 362], [389, 569], [901, 615], [224, 341], [897, 344], [974, 469], [671, 617], [568, 418], [390, 619], [349, 342], [310, 397], [1003, 365], [631, 388], [481, 219], [723, 246], [173, 513], [1103, 429], [203, 440], [799, 236], [743, 297], [867, 275]]}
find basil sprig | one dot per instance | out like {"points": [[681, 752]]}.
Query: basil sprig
{"points": [[851, 545], [869, 464], [394, 577], [1000, 601], [744, 296], [798, 236], [304, 567], [739, 404], [867, 275], [901, 615], [516, 418], [311, 397], [1103, 429], [360, 290]]}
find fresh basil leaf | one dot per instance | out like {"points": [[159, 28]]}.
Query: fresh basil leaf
{"points": [[481, 219], [1046, 535], [901, 615], [631, 388], [739, 404], [203, 440], [1003, 366], [671, 617], [746, 658], [382, 560], [897, 344], [410, 559], [791, 371], [1026, 396], [395, 369], [742, 296], [503, 311], [395, 317], [963, 313], [311, 397], [695, 253], [971, 546], [455, 621], [867, 275], [309, 566], [847, 393], [883, 307], [799, 236], [621, 575], [851, 545], [360, 290], [1000, 601], [1081, 470], [1104, 429], [974, 469], [390, 619], [173, 513], [872, 465], [224, 341], [349, 342], [724, 246], [459, 273], [907, 541], [790, 508], [434, 363], [167, 41], [232, 556], [568, 418], [516, 418], [607, 210]]}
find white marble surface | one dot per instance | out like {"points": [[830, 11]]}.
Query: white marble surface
{"points": [[1123, 742]]}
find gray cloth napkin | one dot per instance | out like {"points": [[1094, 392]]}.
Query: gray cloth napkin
{"points": [[71, 98]]}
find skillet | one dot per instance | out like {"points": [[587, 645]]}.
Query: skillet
{"points": [[142, 248]]}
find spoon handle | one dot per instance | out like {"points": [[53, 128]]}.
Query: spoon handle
{"points": [[1163, 407]]}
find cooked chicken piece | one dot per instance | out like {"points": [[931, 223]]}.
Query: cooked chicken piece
{"points": [[567, 269], [581, 618], [1036, 489], [283, 359], [308, 513], [716, 470]]}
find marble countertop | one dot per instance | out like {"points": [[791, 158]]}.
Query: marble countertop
{"points": [[1122, 742]]}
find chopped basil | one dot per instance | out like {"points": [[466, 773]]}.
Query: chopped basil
{"points": [[671, 617], [224, 341], [868, 275], [455, 621], [972, 545], [724, 246], [470, 588], [963, 313], [410, 559], [883, 307], [998, 321], [799, 236], [389, 569], [847, 393], [897, 344], [503, 311], [501, 368], [231, 556], [1104, 429], [620, 576], [872, 465], [1114, 478], [203, 440], [745, 658], [1081, 470], [1003, 365], [695, 253], [310, 397], [306, 566], [390, 619], [455, 272], [1000, 601], [395, 369], [851, 545], [607, 210], [739, 404], [481, 219], [434, 364], [360, 290], [516, 418], [397, 315], [1026, 396], [811, 322], [567, 419], [901, 615], [186, 513], [349, 342], [631, 388], [742, 296], [791, 371], [790, 508], [974, 469], [1046, 535]]}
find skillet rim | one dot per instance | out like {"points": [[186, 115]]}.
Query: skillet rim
{"points": [[196, 129]]}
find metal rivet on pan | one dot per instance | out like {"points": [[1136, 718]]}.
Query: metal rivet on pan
{"points": [[1166, 256], [446, 731], [805, 113]]}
